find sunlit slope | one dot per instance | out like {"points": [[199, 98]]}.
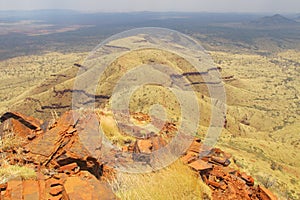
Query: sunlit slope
{"points": [[262, 92], [263, 117]]}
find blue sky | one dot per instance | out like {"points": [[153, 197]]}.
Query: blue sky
{"points": [[272, 6]]}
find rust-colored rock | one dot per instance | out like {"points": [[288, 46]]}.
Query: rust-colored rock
{"points": [[223, 161], [265, 194], [200, 165], [3, 186], [157, 143], [56, 190], [146, 146], [248, 179], [31, 136], [30, 122], [69, 167], [87, 187], [196, 146], [31, 190], [14, 190], [143, 146], [189, 157], [214, 184], [62, 144], [224, 181], [70, 163]]}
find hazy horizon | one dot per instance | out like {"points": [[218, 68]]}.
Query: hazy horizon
{"points": [[113, 6]]}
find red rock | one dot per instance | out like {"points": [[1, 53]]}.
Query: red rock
{"points": [[125, 148], [31, 136], [55, 182], [71, 130], [56, 190], [222, 161], [231, 188], [69, 167], [195, 146], [3, 186], [30, 122], [200, 165], [143, 146], [218, 172], [223, 186], [57, 147], [58, 197], [265, 194], [14, 189], [157, 143], [188, 158], [31, 190], [42, 189], [249, 180], [214, 184], [108, 173], [87, 188]]}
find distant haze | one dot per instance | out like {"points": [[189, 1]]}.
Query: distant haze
{"points": [[269, 6]]}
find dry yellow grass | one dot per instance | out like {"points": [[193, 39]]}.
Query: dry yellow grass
{"points": [[266, 92], [176, 181], [8, 172], [111, 130], [9, 141]]}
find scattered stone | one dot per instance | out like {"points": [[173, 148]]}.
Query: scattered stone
{"points": [[200, 165], [31, 190], [55, 182], [143, 146], [3, 186], [214, 184], [31, 136], [249, 180], [58, 197], [30, 122], [69, 167], [157, 143], [68, 170], [223, 161], [265, 194], [14, 190], [56, 190], [196, 146], [87, 188], [189, 157]]}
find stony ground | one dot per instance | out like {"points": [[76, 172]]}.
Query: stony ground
{"points": [[66, 169]]}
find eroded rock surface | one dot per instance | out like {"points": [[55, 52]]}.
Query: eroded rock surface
{"points": [[69, 163], [225, 182]]}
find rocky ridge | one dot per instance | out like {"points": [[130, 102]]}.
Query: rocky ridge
{"points": [[66, 169]]}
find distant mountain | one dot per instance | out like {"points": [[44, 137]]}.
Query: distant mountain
{"points": [[275, 20]]}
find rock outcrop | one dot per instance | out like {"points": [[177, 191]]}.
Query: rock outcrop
{"points": [[226, 182], [67, 170]]}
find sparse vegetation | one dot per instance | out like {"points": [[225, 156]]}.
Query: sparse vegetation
{"points": [[176, 181], [10, 141], [264, 62], [8, 172]]}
